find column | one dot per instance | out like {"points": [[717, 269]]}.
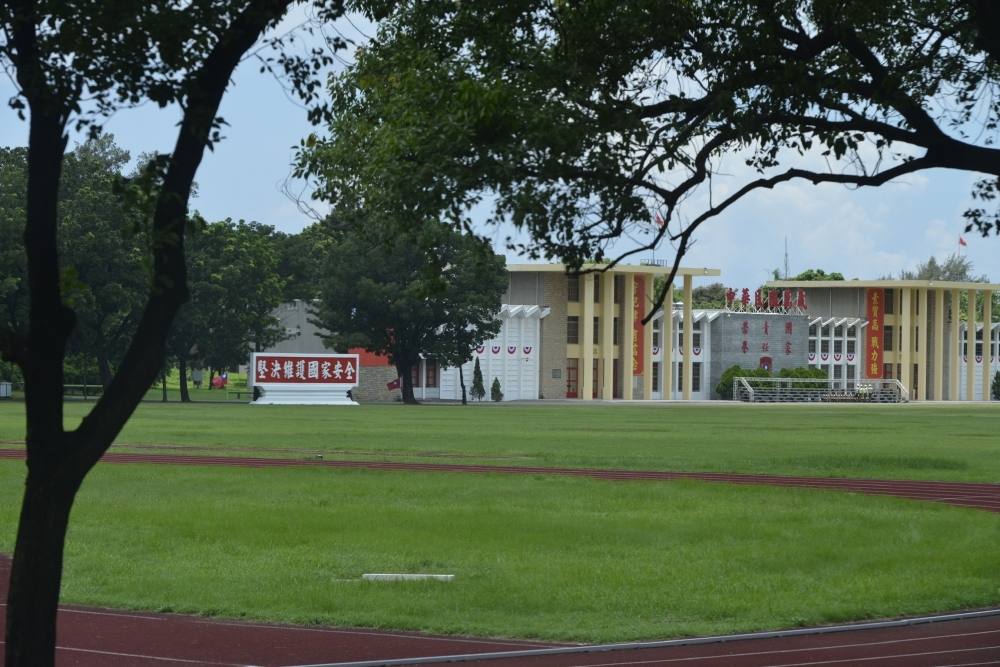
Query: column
{"points": [[920, 340], [668, 377], [955, 358], [586, 373], [688, 339], [647, 340], [628, 339], [608, 335], [970, 337], [939, 345], [987, 342], [906, 341]]}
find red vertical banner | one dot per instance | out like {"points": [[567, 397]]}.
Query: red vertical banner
{"points": [[876, 319], [639, 336]]}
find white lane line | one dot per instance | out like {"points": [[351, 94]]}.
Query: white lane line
{"points": [[731, 656], [148, 657]]}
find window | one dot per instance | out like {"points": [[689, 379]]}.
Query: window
{"points": [[556, 373], [979, 343], [838, 332], [432, 373], [415, 376], [851, 372], [696, 376], [656, 333], [696, 335], [812, 346], [812, 330], [573, 288], [597, 291], [826, 331], [887, 335], [916, 339], [887, 368], [888, 305], [824, 346], [838, 346], [852, 332], [656, 376], [597, 329], [619, 285], [572, 330], [680, 376], [838, 372], [850, 345], [614, 337]]}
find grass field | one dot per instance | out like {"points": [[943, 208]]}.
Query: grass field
{"points": [[533, 556], [902, 441]]}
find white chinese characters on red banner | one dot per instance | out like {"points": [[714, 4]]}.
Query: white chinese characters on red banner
{"points": [[335, 369]]}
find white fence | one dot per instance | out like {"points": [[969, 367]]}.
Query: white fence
{"points": [[816, 390]]}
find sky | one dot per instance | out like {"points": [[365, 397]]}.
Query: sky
{"points": [[861, 233]]}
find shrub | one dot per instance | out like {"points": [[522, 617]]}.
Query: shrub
{"points": [[495, 393], [725, 386], [996, 387], [478, 390]]}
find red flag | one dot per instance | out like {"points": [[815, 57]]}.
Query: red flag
{"points": [[961, 241], [395, 384], [659, 220]]}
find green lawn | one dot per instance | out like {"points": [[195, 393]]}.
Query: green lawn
{"points": [[894, 441], [533, 556]]}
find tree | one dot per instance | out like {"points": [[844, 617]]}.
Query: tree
{"points": [[495, 394], [109, 285], [478, 390], [394, 303], [61, 55], [995, 388], [818, 274], [300, 261], [583, 120]]}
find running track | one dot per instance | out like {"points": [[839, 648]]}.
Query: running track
{"points": [[964, 494]]}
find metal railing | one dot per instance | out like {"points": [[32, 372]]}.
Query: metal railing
{"points": [[817, 390]]}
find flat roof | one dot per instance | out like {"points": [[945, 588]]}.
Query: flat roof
{"points": [[886, 284], [619, 268]]}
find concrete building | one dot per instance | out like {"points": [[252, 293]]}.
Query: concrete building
{"points": [[920, 338]]}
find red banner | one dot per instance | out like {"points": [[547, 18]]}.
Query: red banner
{"points": [[305, 369], [639, 336], [876, 319]]}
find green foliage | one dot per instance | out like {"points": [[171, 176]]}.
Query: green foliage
{"points": [[13, 264], [235, 287], [478, 391], [495, 394], [300, 260], [725, 386], [437, 296], [995, 387], [816, 373], [818, 274]]}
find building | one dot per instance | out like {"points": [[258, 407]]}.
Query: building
{"points": [[915, 334]]}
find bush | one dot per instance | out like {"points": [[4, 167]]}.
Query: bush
{"points": [[495, 393], [996, 387], [478, 390], [725, 386]]}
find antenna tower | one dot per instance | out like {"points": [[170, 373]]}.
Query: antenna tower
{"points": [[786, 258]]}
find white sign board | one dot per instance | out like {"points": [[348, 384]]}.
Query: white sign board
{"points": [[304, 379]]}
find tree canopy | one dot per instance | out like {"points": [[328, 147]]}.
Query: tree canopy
{"points": [[582, 121], [394, 303]]}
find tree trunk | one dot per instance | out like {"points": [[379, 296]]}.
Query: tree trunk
{"points": [[36, 573], [163, 378], [102, 359], [182, 364], [461, 380], [211, 376], [407, 385]]}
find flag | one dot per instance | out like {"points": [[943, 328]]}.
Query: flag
{"points": [[395, 384], [659, 220], [961, 241]]}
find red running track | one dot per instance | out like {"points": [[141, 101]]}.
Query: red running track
{"points": [[91, 637], [963, 494]]}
